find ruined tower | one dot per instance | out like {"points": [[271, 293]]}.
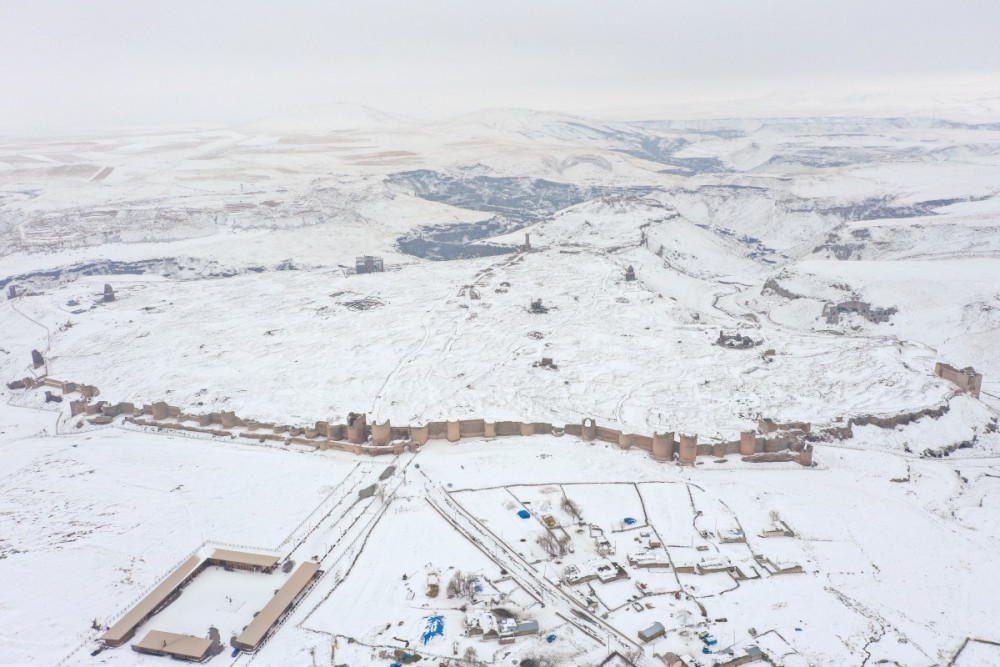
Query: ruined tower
{"points": [[806, 456], [663, 446], [419, 434], [357, 431], [381, 434], [688, 448]]}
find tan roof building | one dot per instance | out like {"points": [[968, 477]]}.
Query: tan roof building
{"points": [[241, 560], [184, 647], [276, 607], [121, 631]]}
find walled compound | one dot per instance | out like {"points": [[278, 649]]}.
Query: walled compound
{"points": [[186, 647], [772, 442]]}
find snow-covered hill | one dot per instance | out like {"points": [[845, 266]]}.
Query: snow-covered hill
{"points": [[231, 252]]}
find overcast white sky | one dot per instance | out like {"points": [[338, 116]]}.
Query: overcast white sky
{"points": [[109, 62]]}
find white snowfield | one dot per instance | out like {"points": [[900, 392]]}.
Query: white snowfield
{"points": [[231, 252]]}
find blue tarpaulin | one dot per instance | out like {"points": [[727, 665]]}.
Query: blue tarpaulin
{"points": [[550, 638], [629, 520], [524, 514], [433, 628]]}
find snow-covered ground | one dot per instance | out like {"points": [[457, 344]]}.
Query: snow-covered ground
{"points": [[231, 251]]}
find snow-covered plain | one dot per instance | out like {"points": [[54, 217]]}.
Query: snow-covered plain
{"points": [[229, 250]]}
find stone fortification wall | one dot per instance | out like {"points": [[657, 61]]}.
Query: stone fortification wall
{"points": [[607, 434], [358, 437], [892, 421], [472, 428]]}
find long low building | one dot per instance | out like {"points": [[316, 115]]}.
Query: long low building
{"points": [[122, 631], [276, 607], [183, 647], [241, 560]]}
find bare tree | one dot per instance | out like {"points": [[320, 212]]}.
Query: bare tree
{"points": [[554, 546], [571, 508], [458, 586], [470, 658]]}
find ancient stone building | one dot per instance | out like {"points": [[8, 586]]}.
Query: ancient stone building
{"points": [[736, 341], [368, 264], [832, 312], [630, 273], [109, 294], [967, 378]]}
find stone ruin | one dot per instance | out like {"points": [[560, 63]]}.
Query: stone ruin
{"points": [[832, 312], [470, 291], [736, 341], [546, 362], [537, 308], [109, 293], [629, 273], [966, 378], [774, 442], [11, 291], [368, 264], [37, 360], [772, 285], [527, 244]]}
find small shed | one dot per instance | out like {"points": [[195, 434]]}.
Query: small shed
{"points": [[652, 632], [526, 628]]}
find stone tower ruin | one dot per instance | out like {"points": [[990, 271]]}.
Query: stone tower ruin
{"points": [[688, 448]]}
